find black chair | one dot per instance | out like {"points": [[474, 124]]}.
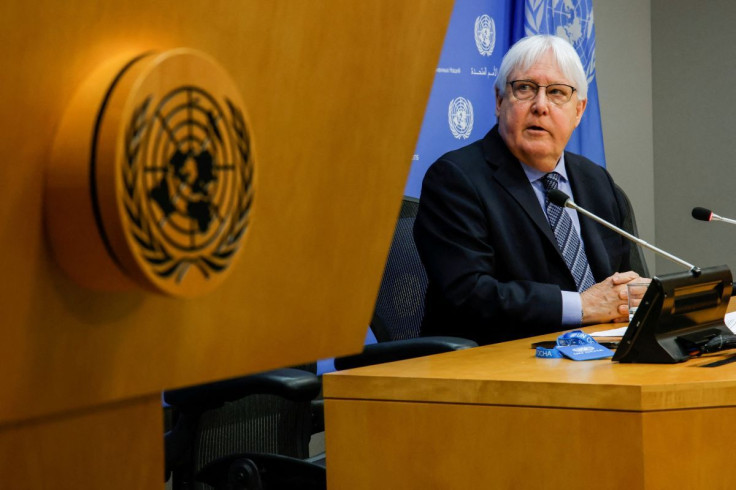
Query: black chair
{"points": [[638, 262], [218, 438], [400, 304], [260, 471], [245, 433]]}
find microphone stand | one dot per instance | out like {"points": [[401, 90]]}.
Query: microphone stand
{"points": [[715, 217], [694, 270]]}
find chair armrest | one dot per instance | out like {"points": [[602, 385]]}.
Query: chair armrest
{"points": [[397, 350], [289, 383]]}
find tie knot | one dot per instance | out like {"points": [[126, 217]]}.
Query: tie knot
{"points": [[550, 181]]}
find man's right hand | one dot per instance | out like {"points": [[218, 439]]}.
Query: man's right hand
{"points": [[607, 301]]}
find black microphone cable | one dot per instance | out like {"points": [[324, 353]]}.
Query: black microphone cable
{"points": [[717, 344]]}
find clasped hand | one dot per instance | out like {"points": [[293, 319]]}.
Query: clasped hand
{"points": [[607, 301]]}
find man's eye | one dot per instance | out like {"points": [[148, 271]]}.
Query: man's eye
{"points": [[525, 87], [558, 91]]}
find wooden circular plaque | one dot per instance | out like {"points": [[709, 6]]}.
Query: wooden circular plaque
{"points": [[151, 178]]}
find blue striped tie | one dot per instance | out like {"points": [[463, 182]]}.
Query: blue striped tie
{"points": [[567, 238]]}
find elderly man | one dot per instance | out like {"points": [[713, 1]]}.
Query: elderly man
{"points": [[503, 262]]}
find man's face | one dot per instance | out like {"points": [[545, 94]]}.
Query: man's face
{"points": [[536, 131]]}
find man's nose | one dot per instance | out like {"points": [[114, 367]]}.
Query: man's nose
{"points": [[540, 102]]}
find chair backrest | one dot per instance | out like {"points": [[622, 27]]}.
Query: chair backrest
{"points": [[638, 263], [264, 413], [400, 304], [257, 423]]}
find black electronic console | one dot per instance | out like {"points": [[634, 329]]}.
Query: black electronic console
{"points": [[678, 315]]}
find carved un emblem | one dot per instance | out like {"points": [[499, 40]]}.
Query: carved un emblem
{"points": [[460, 117], [188, 183], [485, 34], [169, 174]]}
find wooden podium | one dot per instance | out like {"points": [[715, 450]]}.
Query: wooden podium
{"points": [[335, 93], [498, 417]]}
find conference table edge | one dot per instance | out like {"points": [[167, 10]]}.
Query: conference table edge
{"points": [[509, 374]]}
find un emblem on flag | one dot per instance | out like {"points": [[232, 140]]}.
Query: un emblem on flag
{"points": [[571, 20], [460, 117], [485, 34], [160, 197]]}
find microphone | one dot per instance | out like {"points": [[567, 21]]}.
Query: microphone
{"points": [[703, 214], [561, 199]]}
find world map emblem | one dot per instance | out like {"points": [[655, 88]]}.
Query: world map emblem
{"points": [[187, 179], [485, 34], [569, 19], [460, 117], [170, 177]]}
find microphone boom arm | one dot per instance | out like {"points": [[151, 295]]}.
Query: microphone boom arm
{"points": [[715, 217], [693, 269]]}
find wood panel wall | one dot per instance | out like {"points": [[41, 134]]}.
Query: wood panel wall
{"points": [[335, 91]]}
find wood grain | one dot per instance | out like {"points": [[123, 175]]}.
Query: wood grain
{"points": [[510, 374], [336, 94], [109, 446], [498, 417], [374, 444]]}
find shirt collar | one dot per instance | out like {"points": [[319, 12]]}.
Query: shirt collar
{"points": [[533, 174]]}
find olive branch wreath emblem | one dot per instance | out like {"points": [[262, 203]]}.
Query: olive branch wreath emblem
{"points": [[533, 16], [153, 250]]}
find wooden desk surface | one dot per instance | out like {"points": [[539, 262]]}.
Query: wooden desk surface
{"points": [[510, 374], [498, 417]]}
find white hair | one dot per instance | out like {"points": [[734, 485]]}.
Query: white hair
{"points": [[529, 50]]}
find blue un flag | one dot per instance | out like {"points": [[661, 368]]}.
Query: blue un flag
{"points": [[572, 20], [461, 107]]}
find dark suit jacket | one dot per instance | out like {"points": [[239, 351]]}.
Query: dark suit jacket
{"points": [[495, 270]]}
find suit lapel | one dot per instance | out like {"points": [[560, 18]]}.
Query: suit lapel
{"points": [[513, 180]]}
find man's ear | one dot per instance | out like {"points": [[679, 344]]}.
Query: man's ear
{"points": [[579, 110], [499, 98]]}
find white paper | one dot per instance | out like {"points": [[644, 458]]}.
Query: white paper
{"points": [[730, 320], [614, 332]]}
